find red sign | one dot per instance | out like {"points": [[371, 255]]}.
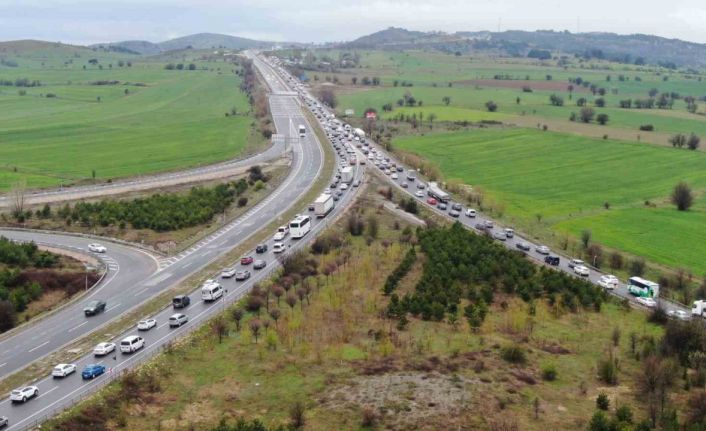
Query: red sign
{"points": [[371, 115]]}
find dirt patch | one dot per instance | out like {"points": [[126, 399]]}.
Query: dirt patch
{"points": [[554, 348], [406, 400], [394, 364], [519, 84]]}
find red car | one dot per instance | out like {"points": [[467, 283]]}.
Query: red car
{"points": [[246, 260], [431, 201]]}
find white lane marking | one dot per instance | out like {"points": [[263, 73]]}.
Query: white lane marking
{"points": [[78, 326], [114, 306], [141, 291], [40, 346], [47, 392], [3, 364]]}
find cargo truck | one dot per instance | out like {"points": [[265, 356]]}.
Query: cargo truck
{"points": [[347, 175], [435, 191], [323, 205], [411, 174], [699, 308]]}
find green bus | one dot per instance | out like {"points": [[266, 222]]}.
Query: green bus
{"points": [[638, 286]]}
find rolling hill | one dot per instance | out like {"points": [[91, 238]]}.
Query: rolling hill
{"points": [[634, 48], [194, 41]]}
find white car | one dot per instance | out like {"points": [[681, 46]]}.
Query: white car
{"points": [[146, 324], [647, 302], [581, 270], [23, 394], [419, 194], [394, 176], [344, 186], [576, 262], [470, 212], [178, 319], [542, 249], [278, 247], [63, 370], [97, 248], [228, 273], [103, 349], [678, 314], [608, 281], [131, 344], [282, 232]]}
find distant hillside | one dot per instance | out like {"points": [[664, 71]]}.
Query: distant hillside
{"points": [[141, 47], [212, 40], [636, 48], [389, 37], [194, 41]]}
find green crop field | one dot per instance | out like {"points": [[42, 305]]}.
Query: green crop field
{"points": [[151, 120], [567, 179]]}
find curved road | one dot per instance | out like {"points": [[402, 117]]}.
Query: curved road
{"points": [[56, 395]]}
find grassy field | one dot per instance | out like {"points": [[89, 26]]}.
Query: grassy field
{"points": [[470, 82], [567, 180], [335, 354], [151, 120]]}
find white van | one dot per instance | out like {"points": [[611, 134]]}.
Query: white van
{"points": [[211, 291], [132, 344]]}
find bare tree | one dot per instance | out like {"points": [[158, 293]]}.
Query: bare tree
{"points": [[219, 327], [275, 314], [19, 190], [255, 326], [237, 314]]}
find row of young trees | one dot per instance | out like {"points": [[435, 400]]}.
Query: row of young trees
{"points": [[460, 265], [180, 66], [159, 212]]}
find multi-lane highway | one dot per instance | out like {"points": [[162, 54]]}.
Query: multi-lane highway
{"points": [[381, 161], [148, 278]]}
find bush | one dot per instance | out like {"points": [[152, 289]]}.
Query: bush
{"points": [[549, 373], [682, 196], [608, 369], [647, 128], [602, 401], [514, 354], [242, 201]]}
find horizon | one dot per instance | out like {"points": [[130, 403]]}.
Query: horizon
{"points": [[64, 42], [83, 22]]}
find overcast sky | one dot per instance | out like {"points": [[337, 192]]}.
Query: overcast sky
{"points": [[84, 21]]}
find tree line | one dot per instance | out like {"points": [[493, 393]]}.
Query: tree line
{"points": [[27, 272], [158, 212]]}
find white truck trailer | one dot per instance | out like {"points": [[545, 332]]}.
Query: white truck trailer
{"points": [[699, 308], [435, 191], [347, 175], [323, 205]]}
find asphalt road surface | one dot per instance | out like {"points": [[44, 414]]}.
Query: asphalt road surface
{"points": [[70, 324]]}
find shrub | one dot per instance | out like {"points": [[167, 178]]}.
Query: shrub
{"points": [[514, 354], [647, 128], [242, 201], [602, 401], [549, 373], [608, 369]]}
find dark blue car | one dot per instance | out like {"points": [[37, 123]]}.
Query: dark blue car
{"points": [[92, 371]]}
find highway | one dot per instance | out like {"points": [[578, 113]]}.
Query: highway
{"points": [[411, 188], [57, 394]]}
